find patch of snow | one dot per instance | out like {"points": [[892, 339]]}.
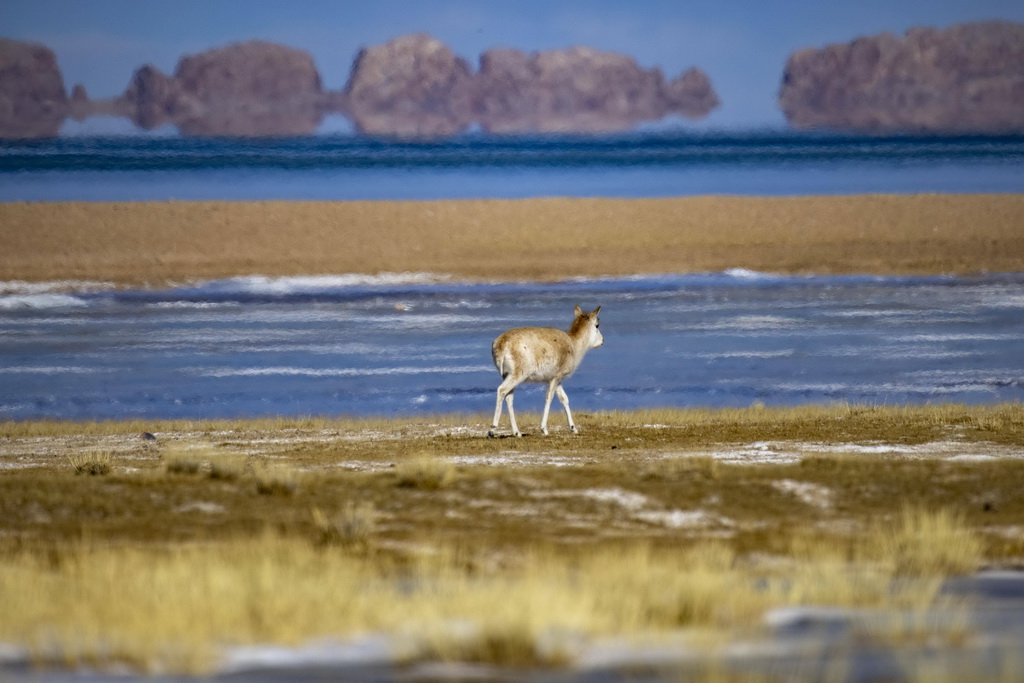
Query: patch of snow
{"points": [[13, 654], [520, 460], [363, 465], [203, 506], [814, 495], [791, 617], [783, 453], [643, 652], [629, 500], [20, 465], [972, 457], [679, 519], [364, 650]]}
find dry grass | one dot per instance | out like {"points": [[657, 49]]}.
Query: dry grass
{"points": [[159, 242], [638, 527], [159, 609], [926, 543], [425, 471], [353, 527], [404, 437], [98, 463], [276, 479]]}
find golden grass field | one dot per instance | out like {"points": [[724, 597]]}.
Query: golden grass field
{"points": [[159, 242], [160, 553]]}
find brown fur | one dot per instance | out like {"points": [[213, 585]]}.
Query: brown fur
{"points": [[542, 354]]}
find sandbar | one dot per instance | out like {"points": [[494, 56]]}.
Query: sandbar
{"points": [[157, 243]]}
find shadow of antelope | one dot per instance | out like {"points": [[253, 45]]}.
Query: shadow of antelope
{"points": [[545, 355]]}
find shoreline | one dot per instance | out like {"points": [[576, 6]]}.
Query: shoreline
{"points": [[160, 243], [58, 292]]}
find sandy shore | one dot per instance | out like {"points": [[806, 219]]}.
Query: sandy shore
{"points": [[159, 242]]}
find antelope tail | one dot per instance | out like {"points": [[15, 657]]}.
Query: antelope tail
{"points": [[501, 360]]}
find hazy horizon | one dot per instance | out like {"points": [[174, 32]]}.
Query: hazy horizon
{"points": [[742, 46]]}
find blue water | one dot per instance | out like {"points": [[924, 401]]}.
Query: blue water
{"points": [[650, 164], [420, 344], [414, 344]]}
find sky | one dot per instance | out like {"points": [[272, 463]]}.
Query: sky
{"points": [[741, 44]]}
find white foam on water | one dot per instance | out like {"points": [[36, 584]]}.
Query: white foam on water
{"points": [[304, 284], [748, 322], [196, 305], [897, 352], [747, 274], [13, 287], [50, 370], [336, 372], [1005, 301], [743, 354], [954, 337], [896, 387], [971, 375], [40, 301]]}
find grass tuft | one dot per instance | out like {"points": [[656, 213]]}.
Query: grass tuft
{"points": [[95, 464], [923, 543], [275, 480], [428, 472], [681, 468], [227, 466], [352, 528]]}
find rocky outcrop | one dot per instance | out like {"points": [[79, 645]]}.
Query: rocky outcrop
{"points": [[251, 88], [968, 78], [152, 97], [413, 86], [33, 103], [691, 94], [575, 90], [245, 89]]}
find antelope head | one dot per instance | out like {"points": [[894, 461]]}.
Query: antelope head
{"points": [[587, 327]]}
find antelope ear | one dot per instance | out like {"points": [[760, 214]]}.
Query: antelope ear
{"points": [[595, 311], [579, 311]]}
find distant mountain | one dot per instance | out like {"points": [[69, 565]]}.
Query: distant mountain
{"points": [[412, 86], [33, 102], [965, 79]]}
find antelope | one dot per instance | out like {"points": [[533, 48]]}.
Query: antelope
{"points": [[546, 355]]}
